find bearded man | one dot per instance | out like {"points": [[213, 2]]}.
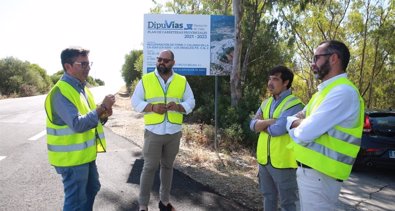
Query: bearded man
{"points": [[327, 133], [164, 97]]}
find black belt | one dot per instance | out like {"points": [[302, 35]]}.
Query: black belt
{"points": [[303, 165], [308, 167]]}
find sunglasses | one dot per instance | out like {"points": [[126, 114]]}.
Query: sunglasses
{"points": [[164, 60], [84, 64], [316, 57]]}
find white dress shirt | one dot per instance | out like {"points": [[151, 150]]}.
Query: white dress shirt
{"points": [[139, 103], [340, 107]]}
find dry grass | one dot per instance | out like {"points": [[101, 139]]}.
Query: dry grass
{"points": [[13, 95]]}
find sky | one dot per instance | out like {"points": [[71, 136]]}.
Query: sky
{"points": [[38, 30]]}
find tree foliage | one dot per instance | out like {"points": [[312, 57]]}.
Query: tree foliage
{"points": [[132, 68], [22, 78], [287, 32], [367, 27]]}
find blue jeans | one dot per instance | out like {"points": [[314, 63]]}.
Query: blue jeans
{"points": [[81, 184]]}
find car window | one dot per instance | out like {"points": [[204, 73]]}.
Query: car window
{"points": [[383, 123], [388, 121]]}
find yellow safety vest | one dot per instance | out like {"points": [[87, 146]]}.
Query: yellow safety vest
{"points": [[275, 146], [154, 94], [334, 152], [66, 147]]}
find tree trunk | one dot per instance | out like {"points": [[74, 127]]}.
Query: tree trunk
{"points": [[365, 32], [235, 88]]}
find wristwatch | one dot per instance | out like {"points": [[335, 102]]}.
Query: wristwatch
{"points": [[103, 107], [103, 113]]}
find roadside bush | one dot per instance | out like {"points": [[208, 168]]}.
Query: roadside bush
{"points": [[132, 87], [233, 133], [22, 78], [56, 76], [27, 90], [209, 132], [193, 134]]}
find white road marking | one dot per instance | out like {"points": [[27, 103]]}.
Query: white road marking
{"points": [[37, 136], [2, 157]]}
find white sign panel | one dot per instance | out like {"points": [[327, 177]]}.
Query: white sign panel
{"points": [[202, 44]]}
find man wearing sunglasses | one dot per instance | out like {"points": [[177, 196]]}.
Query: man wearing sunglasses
{"points": [[164, 97], [327, 132], [75, 130]]}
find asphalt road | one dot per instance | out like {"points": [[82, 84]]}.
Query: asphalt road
{"points": [[28, 182]]}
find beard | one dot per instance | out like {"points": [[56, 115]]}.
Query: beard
{"points": [[163, 69], [322, 71]]}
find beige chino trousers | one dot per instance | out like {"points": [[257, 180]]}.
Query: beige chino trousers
{"points": [[158, 149]]}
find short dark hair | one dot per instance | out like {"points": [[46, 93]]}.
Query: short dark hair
{"points": [[339, 48], [286, 74], [69, 55]]}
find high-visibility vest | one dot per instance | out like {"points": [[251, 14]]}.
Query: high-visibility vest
{"points": [[275, 146], [334, 152], [154, 94], [65, 146]]}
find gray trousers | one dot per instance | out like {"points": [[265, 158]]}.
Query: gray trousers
{"points": [[279, 187], [158, 149]]}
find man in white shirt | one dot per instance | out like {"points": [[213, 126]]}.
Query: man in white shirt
{"points": [[327, 131], [163, 96]]}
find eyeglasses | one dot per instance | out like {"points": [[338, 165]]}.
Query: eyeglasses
{"points": [[84, 65], [164, 60], [316, 57]]}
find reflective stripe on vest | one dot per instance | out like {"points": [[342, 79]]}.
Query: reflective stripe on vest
{"points": [[154, 94], [73, 147], [334, 152], [60, 132], [280, 155], [66, 147]]}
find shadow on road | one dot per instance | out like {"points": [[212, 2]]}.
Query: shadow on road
{"points": [[186, 189], [368, 188]]}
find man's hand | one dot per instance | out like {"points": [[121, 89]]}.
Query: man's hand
{"points": [[106, 107], [296, 123], [172, 106], [300, 115], [108, 101], [159, 108], [109, 111], [263, 124]]}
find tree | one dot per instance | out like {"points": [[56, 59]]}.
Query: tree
{"points": [[11, 75], [22, 78], [129, 70], [367, 27], [235, 74], [269, 33], [56, 76], [240, 92], [39, 78], [375, 48]]}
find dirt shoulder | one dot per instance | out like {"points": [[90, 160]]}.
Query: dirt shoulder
{"points": [[231, 175]]}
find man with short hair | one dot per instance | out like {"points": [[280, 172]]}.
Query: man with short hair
{"points": [[75, 130], [327, 133], [277, 164]]}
